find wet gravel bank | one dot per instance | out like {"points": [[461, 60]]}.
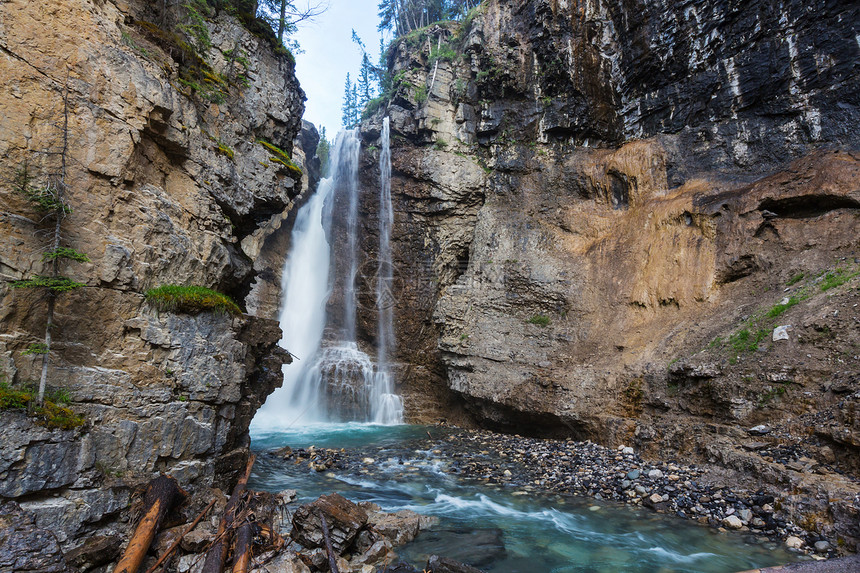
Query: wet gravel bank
{"points": [[576, 468]]}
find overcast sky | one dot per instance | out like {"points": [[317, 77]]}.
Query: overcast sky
{"points": [[329, 54]]}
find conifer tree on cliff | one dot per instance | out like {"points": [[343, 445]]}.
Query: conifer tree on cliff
{"points": [[285, 15], [46, 192]]}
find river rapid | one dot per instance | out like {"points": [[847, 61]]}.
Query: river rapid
{"points": [[503, 527]]}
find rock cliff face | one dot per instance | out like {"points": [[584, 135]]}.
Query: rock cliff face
{"points": [[169, 182], [604, 210]]}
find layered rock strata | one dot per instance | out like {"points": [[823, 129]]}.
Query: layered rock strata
{"points": [[176, 155], [604, 212]]}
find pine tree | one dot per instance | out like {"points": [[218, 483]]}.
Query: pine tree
{"points": [[323, 151], [365, 82], [47, 195], [348, 109]]}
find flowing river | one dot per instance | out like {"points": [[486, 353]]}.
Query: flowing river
{"points": [[500, 529]]}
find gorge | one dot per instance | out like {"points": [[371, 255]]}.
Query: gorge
{"points": [[630, 224]]}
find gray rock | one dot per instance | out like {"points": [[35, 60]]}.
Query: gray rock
{"points": [[781, 332], [733, 522], [655, 474], [633, 474], [25, 547]]}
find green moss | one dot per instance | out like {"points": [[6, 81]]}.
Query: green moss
{"points": [[440, 145], [281, 157], [190, 299], [539, 319], [225, 149], [51, 415], [12, 398]]}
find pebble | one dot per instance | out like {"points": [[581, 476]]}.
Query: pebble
{"points": [[793, 542], [655, 474]]}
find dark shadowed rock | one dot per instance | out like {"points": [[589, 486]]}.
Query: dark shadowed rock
{"points": [[438, 564], [344, 520], [26, 548]]}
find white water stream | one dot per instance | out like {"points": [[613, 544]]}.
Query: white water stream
{"points": [[334, 380]]}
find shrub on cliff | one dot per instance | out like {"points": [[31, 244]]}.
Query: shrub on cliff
{"points": [[190, 299]]}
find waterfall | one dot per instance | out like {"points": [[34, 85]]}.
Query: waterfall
{"points": [[333, 380]]}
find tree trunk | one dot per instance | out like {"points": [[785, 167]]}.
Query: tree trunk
{"points": [[242, 552], [282, 23], [179, 539], [218, 552], [161, 495]]}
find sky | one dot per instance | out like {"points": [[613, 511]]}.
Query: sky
{"points": [[329, 54]]}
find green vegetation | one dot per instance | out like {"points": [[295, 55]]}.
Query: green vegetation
{"points": [[191, 299], [46, 192], [56, 284], [539, 319], [52, 414], [774, 392], [836, 278], [421, 94], [225, 149], [795, 279], [36, 348], [440, 145], [281, 157], [780, 308], [65, 253], [745, 340]]}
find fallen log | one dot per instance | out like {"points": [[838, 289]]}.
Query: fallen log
{"points": [[161, 495], [176, 543], [217, 554], [242, 551], [332, 559]]}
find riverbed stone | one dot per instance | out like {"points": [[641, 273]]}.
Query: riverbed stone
{"points": [[793, 542], [437, 564], [732, 522]]}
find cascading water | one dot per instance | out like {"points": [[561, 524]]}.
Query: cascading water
{"points": [[333, 380], [390, 406]]}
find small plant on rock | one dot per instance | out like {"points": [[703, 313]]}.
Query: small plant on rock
{"points": [[191, 299]]}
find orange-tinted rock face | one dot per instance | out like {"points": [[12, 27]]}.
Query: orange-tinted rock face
{"points": [[603, 212]]}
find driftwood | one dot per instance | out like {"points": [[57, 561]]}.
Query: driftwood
{"points": [[176, 543], [242, 551], [332, 560], [218, 552], [161, 495]]}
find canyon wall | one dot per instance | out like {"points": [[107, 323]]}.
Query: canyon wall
{"points": [[603, 213], [174, 148]]}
